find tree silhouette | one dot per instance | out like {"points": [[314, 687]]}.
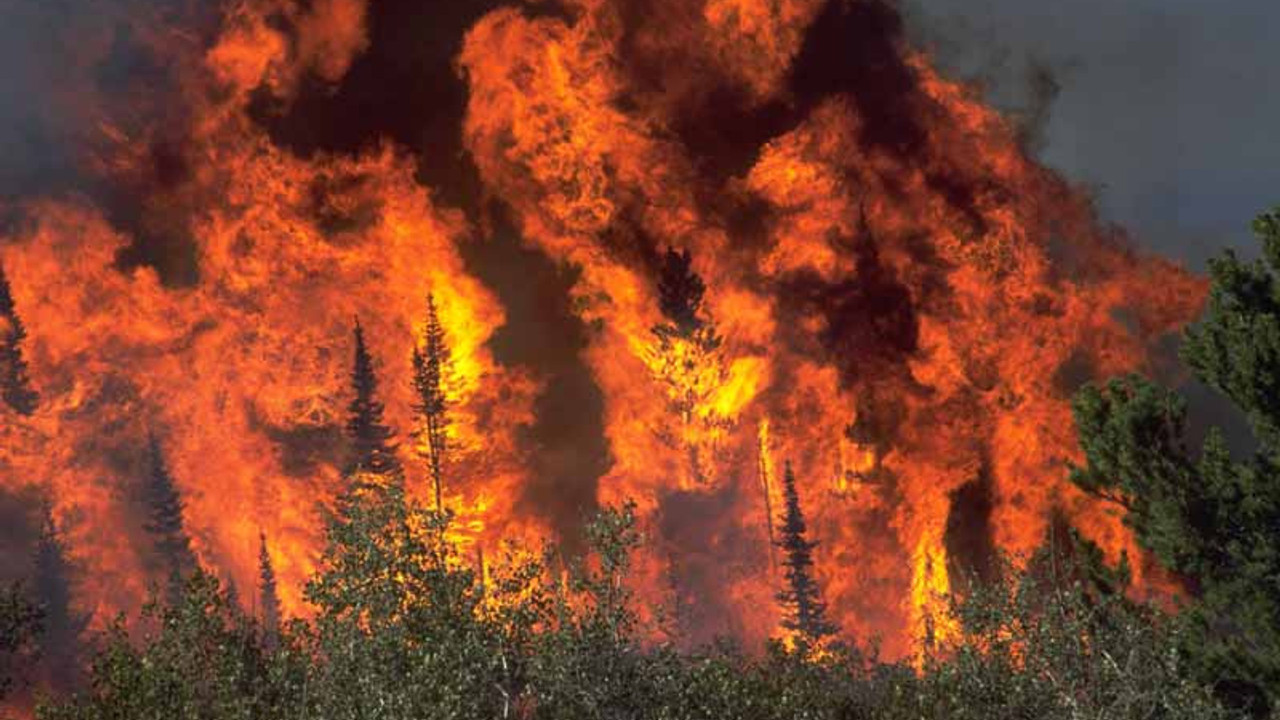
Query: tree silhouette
{"points": [[62, 627], [371, 448], [680, 292], [268, 594], [801, 600], [430, 370], [164, 517], [15, 385]]}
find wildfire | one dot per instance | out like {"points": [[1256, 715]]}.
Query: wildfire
{"points": [[882, 288]]}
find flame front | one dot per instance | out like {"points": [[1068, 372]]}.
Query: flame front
{"points": [[894, 307]]}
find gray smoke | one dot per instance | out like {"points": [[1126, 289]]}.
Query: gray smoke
{"points": [[1166, 108]]}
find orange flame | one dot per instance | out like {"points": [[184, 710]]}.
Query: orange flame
{"points": [[897, 320]]}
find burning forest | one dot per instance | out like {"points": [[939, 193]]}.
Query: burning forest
{"points": [[754, 269]]}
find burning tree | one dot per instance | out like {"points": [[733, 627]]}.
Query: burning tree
{"points": [[15, 385], [687, 357], [371, 448], [430, 368], [801, 599]]}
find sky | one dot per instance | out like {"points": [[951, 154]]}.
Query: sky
{"points": [[1168, 110]]}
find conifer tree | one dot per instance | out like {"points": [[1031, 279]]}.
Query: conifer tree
{"points": [[15, 385], [801, 599], [371, 448], [268, 594], [680, 297], [1207, 515], [687, 356], [60, 638], [430, 370], [680, 292], [164, 517]]}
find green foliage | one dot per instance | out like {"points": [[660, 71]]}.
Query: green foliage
{"points": [[1236, 348], [21, 622], [198, 659], [1209, 517], [404, 630]]}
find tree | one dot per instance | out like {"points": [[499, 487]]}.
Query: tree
{"points": [[1210, 518], [801, 599], [15, 385], [688, 359], [268, 594], [203, 661], [21, 622], [430, 369], [164, 517], [680, 293], [371, 448], [60, 642]]}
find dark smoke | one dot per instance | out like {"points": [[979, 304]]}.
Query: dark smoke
{"points": [[569, 451]]}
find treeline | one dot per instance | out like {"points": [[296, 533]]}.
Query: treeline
{"points": [[405, 626]]}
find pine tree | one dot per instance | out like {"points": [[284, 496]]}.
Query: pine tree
{"points": [[268, 594], [60, 639], [371, 448], [430, 370], [164, 517], [15, 385], [1206, 515], [801, 600]]}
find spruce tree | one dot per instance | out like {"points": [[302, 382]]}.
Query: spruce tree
{"points": [[371, 448], [15, 385], [268, 594], [164, 518], [801, 599], [430, 371], [60, 639]]}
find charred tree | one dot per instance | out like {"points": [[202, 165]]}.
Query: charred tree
{"points": [[431, 364], [268, 595], [372, 450], [801, 599], [63, 628], [164, 518], [15, 384]]}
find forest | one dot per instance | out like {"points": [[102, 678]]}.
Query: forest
{"points": [[673, 359], [406, 625]]}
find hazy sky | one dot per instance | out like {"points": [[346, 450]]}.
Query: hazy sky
{"points": [[1169, 108]]}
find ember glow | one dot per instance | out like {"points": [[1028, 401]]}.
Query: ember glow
{"points": [[896, 299]]}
